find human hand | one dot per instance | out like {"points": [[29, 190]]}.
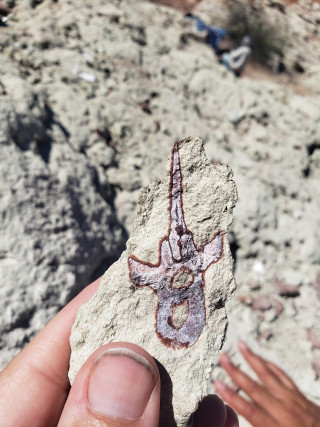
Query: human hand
{"points": [[275, 401], [118, 385]]}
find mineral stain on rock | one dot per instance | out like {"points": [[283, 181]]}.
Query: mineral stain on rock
{"points": [[178, 252], [178, 268]]}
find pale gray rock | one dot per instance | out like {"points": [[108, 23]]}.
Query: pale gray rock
{"points": [[57, 227], [235, 116], [121, 311]]}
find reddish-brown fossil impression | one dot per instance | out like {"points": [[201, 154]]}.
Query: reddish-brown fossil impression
{"points": [[178, 255]]}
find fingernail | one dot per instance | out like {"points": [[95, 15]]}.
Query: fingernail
{"points": [[243, 346], [225, 358], [220, 385], [120, 384]]}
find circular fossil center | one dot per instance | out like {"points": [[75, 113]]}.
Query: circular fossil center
{"points": [[182, 278]]}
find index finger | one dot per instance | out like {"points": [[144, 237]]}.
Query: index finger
{"points": [[34, 385]]}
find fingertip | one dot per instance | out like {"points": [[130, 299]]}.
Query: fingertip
{"points": [[224, 359], [232, 417], [126, 346], [119, 381], [243, 347], [211, 411], [120, 384], [220, 386]]}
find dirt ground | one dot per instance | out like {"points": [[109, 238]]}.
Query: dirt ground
{"points": [[186, 6], [295, 81]]}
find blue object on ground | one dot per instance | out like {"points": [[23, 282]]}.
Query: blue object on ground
{"points": [[215, 35]]}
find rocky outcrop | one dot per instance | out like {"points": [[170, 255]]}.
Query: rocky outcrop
{"points": [[59, 229]]}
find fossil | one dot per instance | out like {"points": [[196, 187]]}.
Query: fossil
{"points": [[164, 293], [178, 256]]}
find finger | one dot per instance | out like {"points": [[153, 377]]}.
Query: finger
{"points": [[210, 413], [286, 381], [36, 380], [255, 391], [249, 410], [118, 385], [232, 417], [261, 368]]}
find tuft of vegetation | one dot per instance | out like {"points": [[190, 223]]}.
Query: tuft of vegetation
{"points": [[269, 40], [35, 3]]}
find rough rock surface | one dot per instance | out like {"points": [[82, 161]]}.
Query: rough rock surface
{"points": [[56, 227], [121, 80], [196, 243]]}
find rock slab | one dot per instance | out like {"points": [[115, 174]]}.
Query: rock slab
{"points": [[168, 290]]}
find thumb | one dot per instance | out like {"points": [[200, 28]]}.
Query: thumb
{"points": [[119, 384]]}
